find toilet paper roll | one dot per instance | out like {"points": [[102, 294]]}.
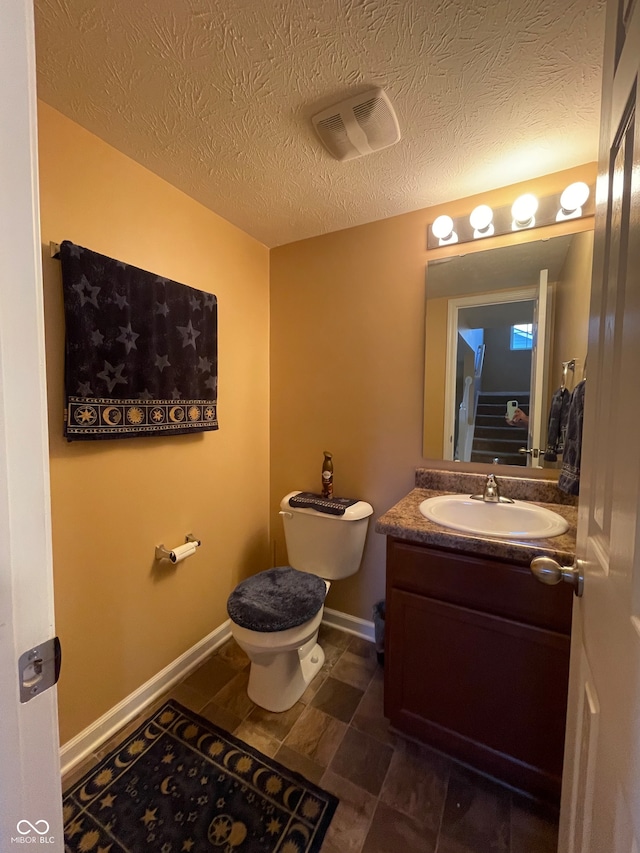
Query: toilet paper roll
{"points": [[182, 552]]}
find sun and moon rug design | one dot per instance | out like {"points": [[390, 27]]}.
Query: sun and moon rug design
{"points": [[179, 784]]}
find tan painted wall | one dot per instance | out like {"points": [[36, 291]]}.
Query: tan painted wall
{"points": [[347, 363], [571, 314], [120, 618], [436, 322]]}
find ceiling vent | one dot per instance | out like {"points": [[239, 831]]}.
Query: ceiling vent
{"points": [[358, 126]]}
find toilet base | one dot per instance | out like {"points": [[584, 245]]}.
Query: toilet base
{"points": [[277, 681]]}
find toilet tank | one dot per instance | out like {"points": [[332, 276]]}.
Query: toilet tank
{"points": [[329, 546]]}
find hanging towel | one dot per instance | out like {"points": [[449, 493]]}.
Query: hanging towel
{"points": [[558, 414], [569, 480], [140, 351], [331, 506]]}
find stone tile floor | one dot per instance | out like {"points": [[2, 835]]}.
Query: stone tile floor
{"points": [[395, 794]]}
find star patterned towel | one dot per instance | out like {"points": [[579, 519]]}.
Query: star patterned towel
{"points": [[141, 351], [569, 479]]}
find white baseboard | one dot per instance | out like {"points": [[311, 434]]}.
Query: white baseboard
{"points": [[90, 739], [350, 624]]}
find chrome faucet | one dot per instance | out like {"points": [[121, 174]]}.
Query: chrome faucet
{"points": [[491, 493]]}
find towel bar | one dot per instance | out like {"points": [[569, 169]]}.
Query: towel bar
{"points": [[566, 367]]}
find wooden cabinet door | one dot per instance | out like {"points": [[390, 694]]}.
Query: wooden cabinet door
{"points": [[485, 689]]}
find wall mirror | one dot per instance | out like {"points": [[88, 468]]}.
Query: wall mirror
{"points": [[505, 327]]}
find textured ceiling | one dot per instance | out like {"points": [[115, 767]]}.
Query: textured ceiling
{"points": [[216, 97], [507, 268]]}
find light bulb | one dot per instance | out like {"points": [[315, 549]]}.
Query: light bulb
{"points": [[572, 199], [574, 196], [442, 227], [523, 211], [481, 220]]}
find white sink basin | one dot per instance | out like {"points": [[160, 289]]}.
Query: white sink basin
{"points": [[517, 520]]}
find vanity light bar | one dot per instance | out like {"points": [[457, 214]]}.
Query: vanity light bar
{"points": [[527, 211]]}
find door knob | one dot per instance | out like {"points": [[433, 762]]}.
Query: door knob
{"points": [[548, 571], [535, 451]]}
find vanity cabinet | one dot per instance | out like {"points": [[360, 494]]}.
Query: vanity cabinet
{"points": [[477, 662]]}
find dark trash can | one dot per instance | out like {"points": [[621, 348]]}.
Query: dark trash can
{"points": [[379, 610]]}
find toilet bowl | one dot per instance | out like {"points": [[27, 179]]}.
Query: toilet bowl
{"points": [[276, 614], [283, 663]]}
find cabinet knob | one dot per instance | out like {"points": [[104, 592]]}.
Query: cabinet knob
{"points": [[548, 571]]}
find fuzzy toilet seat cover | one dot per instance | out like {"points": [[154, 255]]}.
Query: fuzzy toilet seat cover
{"points": [[276, 599]]}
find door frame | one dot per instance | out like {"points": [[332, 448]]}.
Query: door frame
{"points": [[30, 785], [522, 294], [539, 370]]}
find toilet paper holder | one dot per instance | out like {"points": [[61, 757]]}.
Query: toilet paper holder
{"points": [[163, 553]]}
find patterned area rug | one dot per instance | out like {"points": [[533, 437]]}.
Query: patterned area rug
{"points": [[179, 784]]}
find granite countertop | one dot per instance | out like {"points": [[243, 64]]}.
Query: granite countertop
{"points": [[405, 521]]}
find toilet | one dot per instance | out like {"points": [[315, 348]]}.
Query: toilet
{"points": [[276, 614]]}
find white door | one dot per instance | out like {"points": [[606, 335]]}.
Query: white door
{"points": [[601, 787], [540, 357], [30, 806]]}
